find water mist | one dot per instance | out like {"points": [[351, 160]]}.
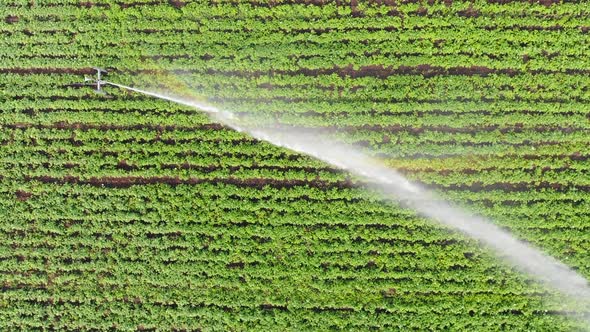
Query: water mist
{"points": [[391, 183]]}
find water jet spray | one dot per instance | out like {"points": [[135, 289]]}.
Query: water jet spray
{"points": [[525, 257], [98, 82]]}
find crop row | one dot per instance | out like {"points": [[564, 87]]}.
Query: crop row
{"points": [[331, 79], [407, 43], [302, 11], [206, 164], [426, 127], [178, 153], [270, 315], [226, 191], [450, 65], [341, 109], [59, 135], [399, 89], [92, 173]]}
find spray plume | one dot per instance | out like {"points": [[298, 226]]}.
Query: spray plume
{"points": [[423, 201], [524, 257]]}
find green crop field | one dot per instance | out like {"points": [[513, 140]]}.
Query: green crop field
{"points": [[125, 212]]}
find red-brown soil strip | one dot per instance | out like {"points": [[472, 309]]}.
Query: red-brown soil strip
{"points": [[259, 183]]}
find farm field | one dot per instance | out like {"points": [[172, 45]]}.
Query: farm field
{"points": [[124, 212]]}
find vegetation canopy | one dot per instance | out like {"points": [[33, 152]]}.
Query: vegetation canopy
{"points": [[125, 212]]}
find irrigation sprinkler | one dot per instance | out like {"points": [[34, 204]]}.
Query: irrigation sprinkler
{"points": [[100, 83]]}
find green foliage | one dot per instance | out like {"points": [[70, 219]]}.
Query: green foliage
{"points": [[123, 212]]}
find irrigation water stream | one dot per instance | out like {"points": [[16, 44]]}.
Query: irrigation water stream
{"points": [[391, 183]]}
